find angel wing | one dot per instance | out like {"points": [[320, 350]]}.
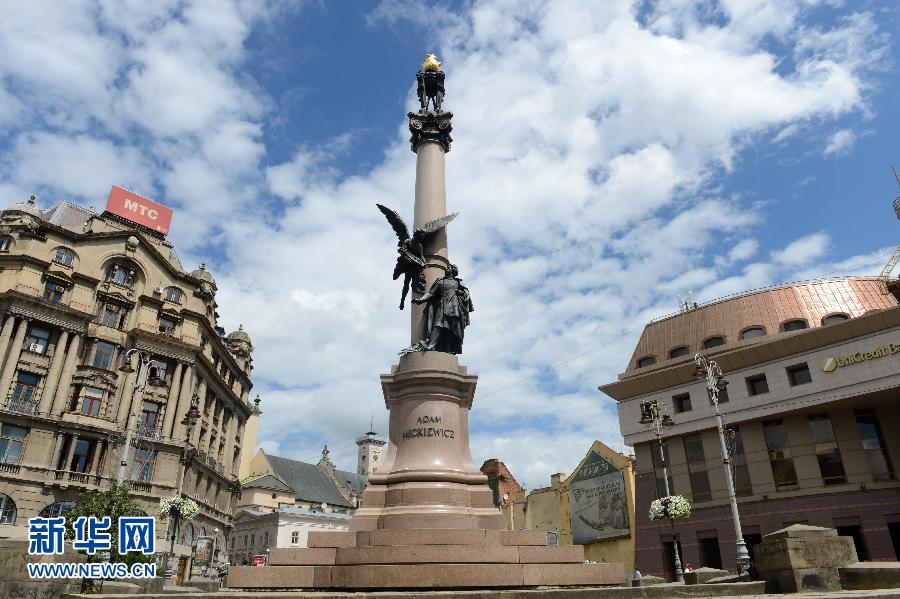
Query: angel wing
{"points": [[436, 224], [396, 222]]}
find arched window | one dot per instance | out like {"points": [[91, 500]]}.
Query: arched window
{"points": [[5, 243], [753, 332], [677, 352], [714, 342], [60, 508], [834, 319], [794, 325], [64, 256], [7, 510], [187, 535], [646, 361], [173, 294], [120, 274]]}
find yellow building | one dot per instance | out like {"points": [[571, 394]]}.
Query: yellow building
{"points": [[593, 507]]}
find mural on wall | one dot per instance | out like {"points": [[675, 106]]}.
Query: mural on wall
{"points": [[597, 502]]}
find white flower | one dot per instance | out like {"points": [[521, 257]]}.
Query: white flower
{"points": [[187, 509], [674, 507]]}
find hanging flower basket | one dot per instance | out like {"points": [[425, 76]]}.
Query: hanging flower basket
{"points": [[178, 507], [674, 507]]}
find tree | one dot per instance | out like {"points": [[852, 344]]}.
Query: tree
{"points": [[112, 503]]}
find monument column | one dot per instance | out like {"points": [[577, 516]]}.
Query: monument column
{"points": [[430, 140]]}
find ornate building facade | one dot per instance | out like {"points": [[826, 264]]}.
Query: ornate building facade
{"points": [[810, 407], [78, 290]]}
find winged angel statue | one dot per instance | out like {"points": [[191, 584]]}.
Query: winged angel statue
{"points": [[411, 259]]}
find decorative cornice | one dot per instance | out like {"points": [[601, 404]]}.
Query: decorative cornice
{"points": [[430, 127]]}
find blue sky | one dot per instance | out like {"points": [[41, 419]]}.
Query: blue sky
{"points": [[609, 156]]}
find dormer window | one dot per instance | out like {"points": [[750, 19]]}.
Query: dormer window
{"points": [[120, 275], [834, 319], [753, 332], [794, 325], [714, 342], [646, 361], [64, 256], [173, 294], [677, 352]]}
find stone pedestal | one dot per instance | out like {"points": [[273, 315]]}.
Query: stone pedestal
{"points": [[803, 558], [427, 519]]}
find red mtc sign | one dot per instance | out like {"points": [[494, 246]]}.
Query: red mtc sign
{"points": [[139, 210]]}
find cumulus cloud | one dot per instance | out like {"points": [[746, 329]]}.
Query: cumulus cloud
{"points": [[590, 140], [840, 142]]}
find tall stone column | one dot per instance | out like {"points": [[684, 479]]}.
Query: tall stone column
{"points": [[5, 334], [59, 354], [15, 351], [57, 447], [67, 463], [428, 478], [172, 401], [65, 378], [179, 431], [430, 141]]}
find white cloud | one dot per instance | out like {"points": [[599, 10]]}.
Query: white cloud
{"points": [[804, 250], [587, 155], [840, 142]]}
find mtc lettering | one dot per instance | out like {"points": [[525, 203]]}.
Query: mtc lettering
{"points": [[141, 209]]}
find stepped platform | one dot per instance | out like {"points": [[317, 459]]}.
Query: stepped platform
{"points": [[425, 559]]}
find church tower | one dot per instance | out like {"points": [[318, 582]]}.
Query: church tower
{"points": [[368, 456]]}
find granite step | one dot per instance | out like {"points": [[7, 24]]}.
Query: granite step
{"points": [[426, 536], [426, 554]]}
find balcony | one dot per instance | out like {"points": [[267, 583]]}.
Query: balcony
{"points": [[140, 487], [80, 479], [149, 432], [9, 468], [29, 407]]}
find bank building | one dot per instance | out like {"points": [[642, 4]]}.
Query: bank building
{"points": [[92, 304], [813, 373]]}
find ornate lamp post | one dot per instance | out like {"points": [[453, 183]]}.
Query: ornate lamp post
{"points": [[189, 420], [652, 414], [715, 383], [146, 367]]}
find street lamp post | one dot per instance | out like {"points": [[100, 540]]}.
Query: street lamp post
{"points": [[715, 383], [652, 414], [145, 364], [189, 420]]}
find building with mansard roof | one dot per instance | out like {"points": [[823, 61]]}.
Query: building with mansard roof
{"points": [[78, 289], [811, 401]]}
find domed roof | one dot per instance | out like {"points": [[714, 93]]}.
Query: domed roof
{"points": [[203, 274], [28, 207], [239, 335]]}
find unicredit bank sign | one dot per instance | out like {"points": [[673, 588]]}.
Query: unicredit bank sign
{"points": [[139, 210]]}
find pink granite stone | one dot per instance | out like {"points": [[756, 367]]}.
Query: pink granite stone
{"points": [[427, 576], [433, 536], [430, 554], [571, 554], [302, 556], [572, 574], [281, 577], [331, 538], [523, 537]]}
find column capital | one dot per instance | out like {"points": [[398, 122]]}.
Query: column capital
{"points": [[430, 127]]}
